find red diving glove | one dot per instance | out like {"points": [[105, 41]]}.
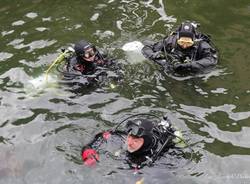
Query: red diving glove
{"points": [[90, 157]]}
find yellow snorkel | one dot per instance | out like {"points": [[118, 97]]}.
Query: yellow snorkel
{"points": [[65, 54]]}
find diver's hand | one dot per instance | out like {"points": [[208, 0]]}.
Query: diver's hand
{"points": [[90, 157], [187, 60], [182, 66], [156, 55]]}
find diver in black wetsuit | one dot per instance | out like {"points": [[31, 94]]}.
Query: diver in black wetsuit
{"points": [[85, 65], [86, 60], [185, 51], [145, 140]]}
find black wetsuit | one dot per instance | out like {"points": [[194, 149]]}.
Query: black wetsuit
{"points": [[80, 72], [144, 156], [77, 65], [173, 58]]}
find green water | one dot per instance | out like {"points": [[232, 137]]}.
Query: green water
{"points": [[43, 128]]}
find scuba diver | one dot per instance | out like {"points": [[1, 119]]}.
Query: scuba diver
{"points": [[85, 65], [185, 51], [86, 60], [141, 143]]}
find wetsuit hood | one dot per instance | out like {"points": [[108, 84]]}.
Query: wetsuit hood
{"points": [[186, 29], [142, 128], [81, 46]]}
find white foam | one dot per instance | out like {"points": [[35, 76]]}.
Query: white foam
{"points": [[95, 17], [31, 15], [41, 82], [133, 51], [41, 85], [134, 46]]}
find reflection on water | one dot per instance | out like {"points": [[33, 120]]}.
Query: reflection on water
{"points": [[10, 166], [44, 125]]}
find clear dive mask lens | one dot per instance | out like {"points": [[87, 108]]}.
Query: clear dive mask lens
{"points": [[135, 130], [89, 54]]}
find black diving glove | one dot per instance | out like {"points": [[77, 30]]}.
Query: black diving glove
{"points": [[182, 66]]}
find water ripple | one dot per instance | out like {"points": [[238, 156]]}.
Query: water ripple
{"points": [[5, 55], [31, 15], [44, 124], [4, 33], [18, 23], [38, 44]]}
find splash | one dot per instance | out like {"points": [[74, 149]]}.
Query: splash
{"points": [[133, 51], [39, 84], [134, 46]]}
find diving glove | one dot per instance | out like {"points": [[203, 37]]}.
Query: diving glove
{"points": [[90, 157]]}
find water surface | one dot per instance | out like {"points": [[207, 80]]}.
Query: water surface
{"points": [[43, 127]]}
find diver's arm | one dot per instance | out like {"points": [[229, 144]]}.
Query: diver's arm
{"points": [[97, 140], [89, 152], [208, 59], [101, 58], [152, 51]]}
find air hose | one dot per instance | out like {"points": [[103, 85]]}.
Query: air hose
{"points": [[59, 59]]}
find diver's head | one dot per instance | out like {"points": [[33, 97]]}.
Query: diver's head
{"points": [[85, 50], [186, 35], [134, 143], [140, 135]]}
